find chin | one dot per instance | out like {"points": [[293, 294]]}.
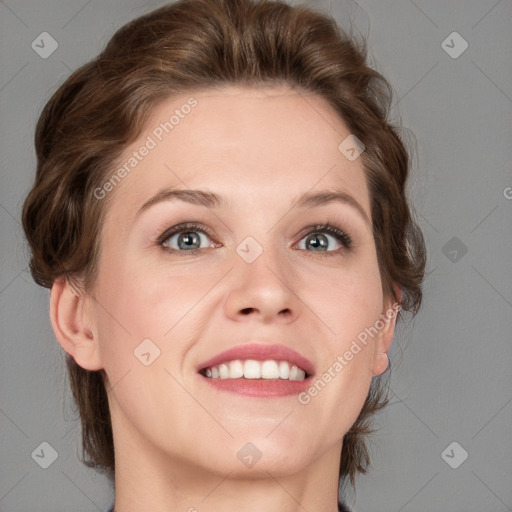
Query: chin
{"points": [[258, 454]]}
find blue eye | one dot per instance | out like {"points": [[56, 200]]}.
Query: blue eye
{"points": [[325, 238], [186, 237]]}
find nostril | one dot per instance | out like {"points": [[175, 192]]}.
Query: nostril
{"points": [[246, 311]]}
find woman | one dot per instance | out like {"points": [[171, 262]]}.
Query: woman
{"points": [[220, 213]]}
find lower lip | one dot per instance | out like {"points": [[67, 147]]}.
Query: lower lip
{"points": [[260, 387]]}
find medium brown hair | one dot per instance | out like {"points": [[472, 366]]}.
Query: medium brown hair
{"points": [[196, 44]]}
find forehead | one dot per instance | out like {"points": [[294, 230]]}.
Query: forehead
{"points": [[243, 142]]}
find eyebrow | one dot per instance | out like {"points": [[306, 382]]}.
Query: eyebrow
{"points": [[312, 199], [198, 197], [212, 200]]}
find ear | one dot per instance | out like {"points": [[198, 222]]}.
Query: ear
{"points": [[383, 340], [70, 317]]}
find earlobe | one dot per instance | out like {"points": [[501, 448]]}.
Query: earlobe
{"points": [[385, 337], [68, 315], [381, 363]]}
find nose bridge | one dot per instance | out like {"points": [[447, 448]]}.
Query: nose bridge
{"points": [[262, 265], [261, 282]]}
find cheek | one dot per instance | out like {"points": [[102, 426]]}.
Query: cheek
{"points": [[348, 300], [349, 305], [140, 300]]}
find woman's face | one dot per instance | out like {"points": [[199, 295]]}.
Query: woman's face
{"points": [[247, 174]]}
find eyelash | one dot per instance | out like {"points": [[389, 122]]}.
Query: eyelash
{"points": [[338, 234]]}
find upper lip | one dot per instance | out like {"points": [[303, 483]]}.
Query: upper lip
{"points": [[260, 352]]}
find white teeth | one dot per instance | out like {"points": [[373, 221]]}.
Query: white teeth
{"points": [[296, 373], [236, 369], [284, 370], [223, 371], [252, 369], [269, 370]]}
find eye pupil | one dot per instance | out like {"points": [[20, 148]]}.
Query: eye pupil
{"points": [[317, 241], [188, 240]]}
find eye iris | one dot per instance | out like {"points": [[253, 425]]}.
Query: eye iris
{"points": [[317, 242], [189, 240]]}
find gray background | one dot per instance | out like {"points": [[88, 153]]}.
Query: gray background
{"points": [[451, 376]]}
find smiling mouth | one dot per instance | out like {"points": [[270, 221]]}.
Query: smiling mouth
{"points": [[252, 369]]}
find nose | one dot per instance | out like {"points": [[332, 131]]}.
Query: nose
{"points": [[263, 291]]}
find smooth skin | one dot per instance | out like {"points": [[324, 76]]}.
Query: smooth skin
{"points": [[177, 437]]}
